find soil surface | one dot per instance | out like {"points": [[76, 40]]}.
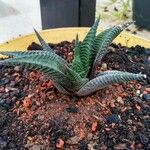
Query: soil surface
{"points": [[35, 116]]}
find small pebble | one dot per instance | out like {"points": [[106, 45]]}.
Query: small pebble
{"points": [[4, 105], [120, 100], [94, 126], [129, 121], [89, 136], [2, 102], [36, 147], [91, 146], [73, 140], [40, 117], [4, 81], [138, 86], [12, 83], [17, 68], [1, 66], [60, 143], [131, 135], [70, 54], [104, 66], [144, 139], [146, 97], [122, 146], [147, 89], [114, 118], [72, 109], [83, 145], [3, 143], [138, 92]]}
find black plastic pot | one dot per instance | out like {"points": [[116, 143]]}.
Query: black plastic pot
{"points": [[141, 13], [67, 13]]}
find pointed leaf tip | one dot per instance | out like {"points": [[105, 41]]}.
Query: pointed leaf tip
{"points": [[36, 32], [77, 37], [34, 29], [45, 46], [125, 25]]}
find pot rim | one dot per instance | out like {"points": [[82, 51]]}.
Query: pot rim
{"points": [[68, 34]]}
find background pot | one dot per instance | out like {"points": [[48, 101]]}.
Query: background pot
{"points": [[62, 34], [141, 13], [67, 13]]}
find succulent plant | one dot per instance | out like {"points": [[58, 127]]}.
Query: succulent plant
{"points": [[79, 77]]}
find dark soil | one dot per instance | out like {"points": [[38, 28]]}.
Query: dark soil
{"points": [[34, 115]]}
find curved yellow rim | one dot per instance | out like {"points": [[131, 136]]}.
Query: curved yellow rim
{"points": [[62, 34]]}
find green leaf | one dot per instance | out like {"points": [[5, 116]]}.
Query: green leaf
{"points": [[76, 63], [47, 63], [24, 53], [55, 57], [44, 63], [107, 78], [75, 79], [77, 46], [86, 46], [45, 46], [104, 39], [98, 42], [82, 52]]}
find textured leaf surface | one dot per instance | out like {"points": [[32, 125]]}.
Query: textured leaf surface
{"points": [[107, 78], [45, 46], [42, 63], [98, 42], [76, 79], [82, 57], [104, 39], [76, 63], [48, 63], [53, 56]]}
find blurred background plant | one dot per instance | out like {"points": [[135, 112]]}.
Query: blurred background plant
{"points": [[115, 9], [113, 12], [123, 11]]}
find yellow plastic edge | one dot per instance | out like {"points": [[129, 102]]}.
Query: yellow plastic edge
{"points": [[68, 34]]}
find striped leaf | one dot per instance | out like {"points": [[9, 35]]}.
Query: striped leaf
{"points": [[55, 57], [77, 46], [45, 46], [107, 78], [43, 63], [76, 63], [54, 70], [86, 46], [75, 79], [98, 42], [103, 40]]}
